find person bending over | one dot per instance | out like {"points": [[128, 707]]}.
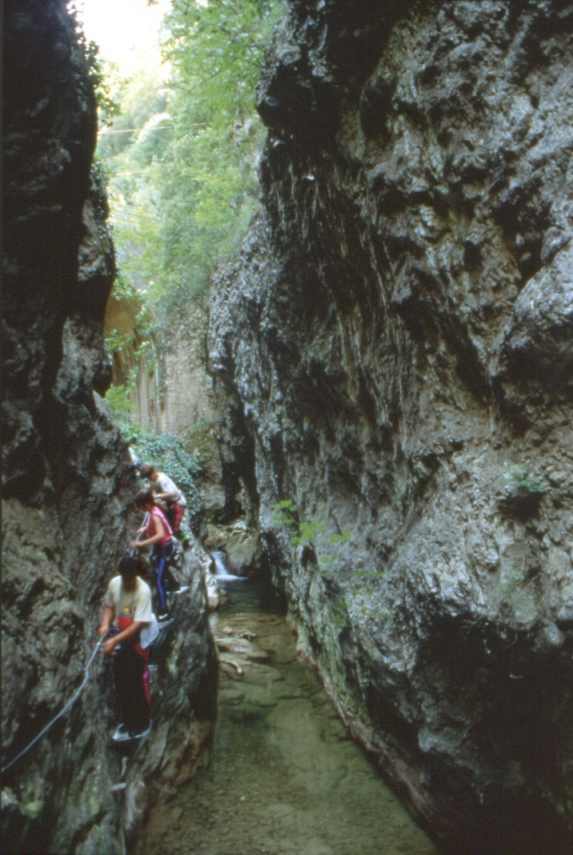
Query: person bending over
{"points": [[155, 532], [167, 491], [129, 628]]}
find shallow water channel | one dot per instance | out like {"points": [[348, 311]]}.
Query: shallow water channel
{"points": [[284, 778]]}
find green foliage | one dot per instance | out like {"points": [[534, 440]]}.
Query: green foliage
{"points": [[301, 531], [131, 350], [119, 400], [521, 492], [366, 578], [97, 71], [168, 454], [181, 154], [340, 537], [209, 192], [141, 116], [180, 159], [117, 341], [308, 531], [285, 515], [518, 479]]}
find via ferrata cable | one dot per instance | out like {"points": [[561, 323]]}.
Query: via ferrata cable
{"points": [[62, 712]]}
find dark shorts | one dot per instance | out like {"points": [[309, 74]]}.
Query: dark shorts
{"points": [[131, 680]]}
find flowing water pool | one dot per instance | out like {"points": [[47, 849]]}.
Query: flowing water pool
{"points": [[284, 778]]}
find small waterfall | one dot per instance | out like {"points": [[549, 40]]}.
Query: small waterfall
{"points": [[221, 571]]}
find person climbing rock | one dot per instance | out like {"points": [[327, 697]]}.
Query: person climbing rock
{"points": [[156, 532], [166, 491], [129, 627]]}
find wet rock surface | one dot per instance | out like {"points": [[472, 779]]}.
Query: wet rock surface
{"points": [[237, 543], [393, 352], [67, 484], [284, 777]]}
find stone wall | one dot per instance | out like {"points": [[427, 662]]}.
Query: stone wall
{"points": [[393, 351], [187, 397], [67, 485], [172, 390]]}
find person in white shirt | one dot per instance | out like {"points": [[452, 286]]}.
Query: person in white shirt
{"points": [[129, 627], [168, 492]]}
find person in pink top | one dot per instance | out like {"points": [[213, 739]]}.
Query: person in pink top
{"points": [[155, 532]]}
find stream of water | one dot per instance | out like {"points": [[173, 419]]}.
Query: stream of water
{"points": [[284, 777]]}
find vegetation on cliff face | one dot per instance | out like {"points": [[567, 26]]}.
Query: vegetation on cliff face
{"points": [[181, 156], [169, 454], [393, 353], [209, 189], [179, 149], [96, 72]]}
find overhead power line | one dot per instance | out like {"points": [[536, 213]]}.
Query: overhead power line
{"points": [[134, 130], [160, 127]]}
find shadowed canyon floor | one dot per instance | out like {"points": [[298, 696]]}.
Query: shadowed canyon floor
{"points": [[284, 778]]}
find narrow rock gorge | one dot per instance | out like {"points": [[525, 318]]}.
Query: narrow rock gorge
{"points": [[68, 486], [393, 355]]}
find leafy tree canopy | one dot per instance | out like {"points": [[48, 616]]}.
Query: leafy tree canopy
{"points": [[181, 159], [182, 153]]}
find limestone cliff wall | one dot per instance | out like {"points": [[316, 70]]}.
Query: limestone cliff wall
{"points": [[66, 483], [394, 350], [187, 400], [172, 390]]}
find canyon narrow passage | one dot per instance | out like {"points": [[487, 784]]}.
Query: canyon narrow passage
{"points": [[284, 778]]}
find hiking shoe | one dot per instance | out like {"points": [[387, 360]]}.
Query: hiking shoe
{"points": [[121, 733], [139, 734]]}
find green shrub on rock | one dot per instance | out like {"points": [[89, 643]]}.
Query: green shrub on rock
{"points": [[521, 491], [168, 454]]}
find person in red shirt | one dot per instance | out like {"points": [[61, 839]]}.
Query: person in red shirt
{"points": [[155, 532]]}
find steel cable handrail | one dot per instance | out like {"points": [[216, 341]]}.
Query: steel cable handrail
{"points": [[62, 712]]}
